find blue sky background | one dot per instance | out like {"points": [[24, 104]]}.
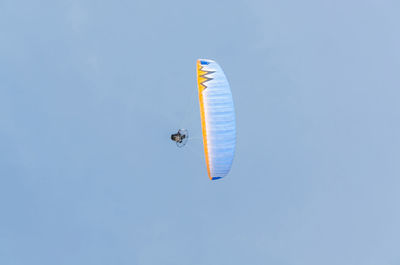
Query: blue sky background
{"points": [[90, 92]]}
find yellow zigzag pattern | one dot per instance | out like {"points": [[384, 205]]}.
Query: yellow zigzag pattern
{"points": [[203, 78]]}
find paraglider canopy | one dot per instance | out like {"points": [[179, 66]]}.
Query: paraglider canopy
{"points": [[181, 137], [218, 120]]}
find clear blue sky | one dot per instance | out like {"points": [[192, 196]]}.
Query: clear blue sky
{"points": [[90, 91]]}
